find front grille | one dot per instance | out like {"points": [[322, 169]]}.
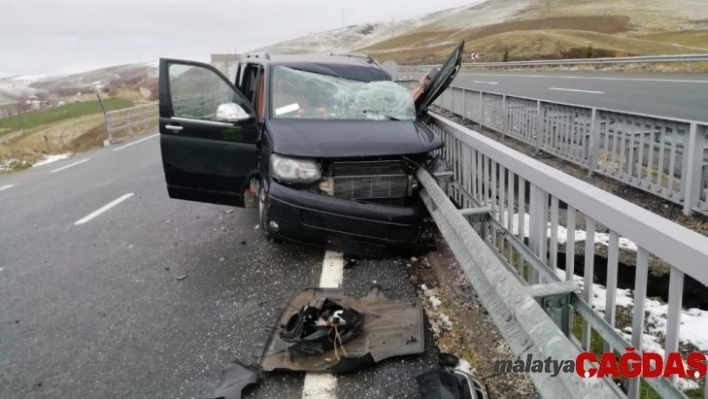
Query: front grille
{"points": [[370, 180]]}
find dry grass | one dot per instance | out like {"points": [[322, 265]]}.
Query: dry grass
{"points": [[690, 38], [529, 44], [547, 29]]}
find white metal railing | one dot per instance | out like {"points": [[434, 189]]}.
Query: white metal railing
{"points": [[538, 212], [663, 156], [132, 120]]}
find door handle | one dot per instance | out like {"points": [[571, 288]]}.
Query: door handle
{"points": [[174, 128]]}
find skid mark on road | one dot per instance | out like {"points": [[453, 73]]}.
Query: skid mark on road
{"points": [[69, 166], [136, 142], [320, 385], [103, 209]]}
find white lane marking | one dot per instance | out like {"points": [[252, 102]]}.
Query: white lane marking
{"points": [[73, 164], [576, 90], [332, 270], [590, 78], [322, 385], [484, 82], [136, 142], [5, 187], [104, 208], [319, 386]]}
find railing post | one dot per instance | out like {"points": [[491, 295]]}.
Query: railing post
{"points": [[592, 145], [481, 109], [539, 126], [505, 116], [464, 108], [693, 166]]}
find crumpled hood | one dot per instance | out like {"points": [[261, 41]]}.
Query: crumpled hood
{"points": [[351, 138]]}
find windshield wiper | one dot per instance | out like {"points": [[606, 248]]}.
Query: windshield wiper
{"points": [[371, 111]]}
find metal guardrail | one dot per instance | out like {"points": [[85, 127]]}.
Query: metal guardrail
{"points": [[132, 120], [666, 157], [525, 200], [143, 118], [512, 305], [584, 61]]}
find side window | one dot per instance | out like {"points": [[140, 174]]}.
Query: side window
{"points": [[196, 92]]}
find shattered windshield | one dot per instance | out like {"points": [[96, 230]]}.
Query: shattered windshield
{"points": [[301, 94]]}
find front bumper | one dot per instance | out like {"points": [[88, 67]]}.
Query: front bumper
{"points": [[345, 225]]}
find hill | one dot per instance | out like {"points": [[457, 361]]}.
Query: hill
{"points": [[546, 29], [118, 81], [526, 29]]}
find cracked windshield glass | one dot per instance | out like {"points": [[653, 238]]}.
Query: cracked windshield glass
{"points": [[304, 94]]}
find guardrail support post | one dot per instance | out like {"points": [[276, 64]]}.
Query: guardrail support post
{"points": [[505, 117], [592, 145], [693, 166], [481, 109], [539, 127], [107, 141], [464, 108]]}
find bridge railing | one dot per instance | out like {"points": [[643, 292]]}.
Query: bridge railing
{"points": [[666, 157], [542, 223]]}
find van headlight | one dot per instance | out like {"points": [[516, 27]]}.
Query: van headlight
{"points": [[294, 170]]}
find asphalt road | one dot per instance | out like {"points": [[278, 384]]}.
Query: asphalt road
{"points": [[96, 309], [681, 96]]}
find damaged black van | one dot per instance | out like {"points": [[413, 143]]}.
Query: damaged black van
{"points": [[329, 145]]}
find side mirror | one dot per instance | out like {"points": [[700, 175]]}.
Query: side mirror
{"points": [[231, 112]]}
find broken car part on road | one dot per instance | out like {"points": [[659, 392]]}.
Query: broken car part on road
{"points": [[322, 330]]}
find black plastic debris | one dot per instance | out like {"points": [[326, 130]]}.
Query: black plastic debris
{"points": [[234, 378], [320, 326], [368, 331], [350, 263], [322, 330], [449, 383]]}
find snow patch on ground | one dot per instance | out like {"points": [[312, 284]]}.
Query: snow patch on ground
{"points": [[51, 158], [464, 366], [562, 234], [353, 37], [694, 322]]}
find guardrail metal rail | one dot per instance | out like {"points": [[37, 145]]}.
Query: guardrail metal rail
{"points": [[687, 58]]}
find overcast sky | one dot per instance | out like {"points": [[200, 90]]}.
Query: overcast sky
{"points": [[66, 36]]}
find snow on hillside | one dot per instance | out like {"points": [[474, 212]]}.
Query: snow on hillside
{"points": [[356, 36]]}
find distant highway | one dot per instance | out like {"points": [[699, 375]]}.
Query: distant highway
{"points": [[682, 96]]}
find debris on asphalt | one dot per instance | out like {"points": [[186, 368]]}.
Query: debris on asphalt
{"points": [[234, 378], [229, 211], [450, 381], [222, 259], [167, 268], [243, 242], [169, 221], [350, 263], [180, 278]]}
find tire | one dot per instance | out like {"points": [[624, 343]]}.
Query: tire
{"points": [[262, 211]]}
